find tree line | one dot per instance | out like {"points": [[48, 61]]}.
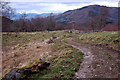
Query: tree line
{"points": [[34, 24]]}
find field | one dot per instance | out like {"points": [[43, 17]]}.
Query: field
{"points": [[66, 53]]}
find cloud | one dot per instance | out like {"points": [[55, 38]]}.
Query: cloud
{"points": [[59, 7], [61, 0], [29, 11], [105, 3], [55, 7]]}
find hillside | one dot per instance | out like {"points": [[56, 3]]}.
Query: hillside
{"points": [[32, 15], [81, 14]]}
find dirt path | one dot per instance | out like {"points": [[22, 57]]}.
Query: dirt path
{"points": [[98, 62]]}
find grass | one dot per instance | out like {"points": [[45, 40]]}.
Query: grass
{"points": [[109, 39], [22, 37], [62, 66], [67, 58]]}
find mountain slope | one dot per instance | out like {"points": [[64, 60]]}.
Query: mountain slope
{"points": [[32, 15], [81, 14]]}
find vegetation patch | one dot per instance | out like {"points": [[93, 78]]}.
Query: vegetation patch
{"points": [[108, 39], [22, 37], [64, 66], [21, 72]]}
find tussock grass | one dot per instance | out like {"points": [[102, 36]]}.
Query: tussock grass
{"points": [[109, 39], [22, 37], [62, 66]]}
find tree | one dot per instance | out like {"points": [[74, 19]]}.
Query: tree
{"points": [[6, 12], [23, 22], [6, 9], [99, 20], [50, 22], [20, 24], [92, 24], [16, 27], [102, 18], [38, 23], [91, 20]]}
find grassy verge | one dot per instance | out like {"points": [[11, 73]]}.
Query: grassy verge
{"points": [[109, 39]]}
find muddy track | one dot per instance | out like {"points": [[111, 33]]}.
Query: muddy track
{"points": [[98, 62]]}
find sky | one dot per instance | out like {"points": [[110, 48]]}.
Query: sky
{"points": [[56, 6]]}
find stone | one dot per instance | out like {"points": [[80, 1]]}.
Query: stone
{"points": [[20, 73], [41, 40], [43, 66], [50, 41], [10, 75], [54, 37], [70, 31], [80, 38], [46, 31], [61, 75], [38, 46], [75, 69], [18, 44], [27, 71], [110, 68]]}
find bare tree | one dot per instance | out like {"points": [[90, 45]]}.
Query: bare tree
{"points": [[98, 21], [38, 23], [50, 22], [102, 17], [6, 10], [23, 22], [16, 27], [91, 20], [92, 24]]}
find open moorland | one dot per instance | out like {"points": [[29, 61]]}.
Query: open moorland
{"points": [[71, 53], [60, 39]]}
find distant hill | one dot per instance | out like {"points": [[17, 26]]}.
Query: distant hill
{"points": [[81, 14], [32, 15]]}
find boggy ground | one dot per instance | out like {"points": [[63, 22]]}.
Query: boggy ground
{"points": [[98, 62]]}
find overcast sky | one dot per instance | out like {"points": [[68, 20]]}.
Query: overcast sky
{"points": [[56, 6]]}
